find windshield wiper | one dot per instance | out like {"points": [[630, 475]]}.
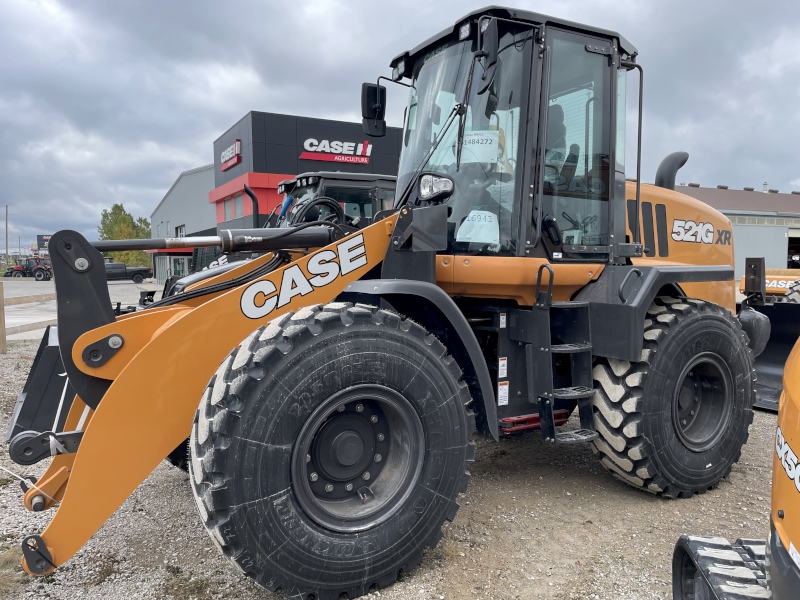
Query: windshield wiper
{"points": [[462, 125], [457, 110]]}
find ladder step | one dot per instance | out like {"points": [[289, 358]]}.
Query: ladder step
{"points": [[570, 348], [572, 393], [569, 304], [576, 436]]}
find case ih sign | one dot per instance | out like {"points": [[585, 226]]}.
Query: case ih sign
{"points": [[232, 155], [341, 152]]}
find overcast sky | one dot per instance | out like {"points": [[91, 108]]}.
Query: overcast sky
{"points": [[104, 102]]}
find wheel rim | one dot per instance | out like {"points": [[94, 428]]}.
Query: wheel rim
{"points": [[702, 402], [357, 458]]}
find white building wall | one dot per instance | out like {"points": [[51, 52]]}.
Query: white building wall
{"points": [[186, 203], [769, 241]]}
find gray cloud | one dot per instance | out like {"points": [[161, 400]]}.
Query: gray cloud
{"points": [[105, 102]]}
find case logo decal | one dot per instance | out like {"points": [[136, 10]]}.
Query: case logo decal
{"points": [[261, 297], [788, 458]]}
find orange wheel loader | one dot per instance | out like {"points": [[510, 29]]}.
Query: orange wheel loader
{"points": [[330, 388]]}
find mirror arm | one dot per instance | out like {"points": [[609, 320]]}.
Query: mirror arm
{"points": [[393, 81]]}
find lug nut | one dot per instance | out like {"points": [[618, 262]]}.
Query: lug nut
{"points": [[691, 412], [329, 487], [683, 422], [314, 477], [378, 458], [348, 487], [340, 408], [308, 458], [365, 476], [374, 418], [691, 373], [381, 437], [359, 408]]}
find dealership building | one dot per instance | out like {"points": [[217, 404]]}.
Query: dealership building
{"points": [[765, 223], [260, 151]]}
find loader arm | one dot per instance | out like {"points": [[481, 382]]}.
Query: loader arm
{"points": [[148, 425]]}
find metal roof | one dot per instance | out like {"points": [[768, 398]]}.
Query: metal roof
{"points": [[527, 17], [728, 200]]}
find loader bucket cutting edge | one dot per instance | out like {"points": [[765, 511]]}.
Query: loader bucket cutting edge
{"points": [[141, 429]]}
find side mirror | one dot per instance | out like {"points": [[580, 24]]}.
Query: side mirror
{"points": [[373, 109], [490, 46]]}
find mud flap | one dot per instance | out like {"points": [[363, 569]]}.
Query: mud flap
{"points": [[47, 395]]}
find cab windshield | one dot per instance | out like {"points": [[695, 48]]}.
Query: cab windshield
{"points": [[484, 216]]}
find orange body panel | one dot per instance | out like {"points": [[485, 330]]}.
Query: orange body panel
{"points": [[778, 281], [177, 363], [786, 456], [514, 278], [705, 250]]}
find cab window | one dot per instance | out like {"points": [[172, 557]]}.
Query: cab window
{"points": [[355, 202], [576, 153]]}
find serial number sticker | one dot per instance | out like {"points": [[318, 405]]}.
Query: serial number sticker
{"points": [[502, 320], [502, 393], [502, 367], [479, 227], [794, 554], [480, 146]]}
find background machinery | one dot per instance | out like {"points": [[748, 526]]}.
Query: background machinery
{"points": [[517, 280], [712, 568]]}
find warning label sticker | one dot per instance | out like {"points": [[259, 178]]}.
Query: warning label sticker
{"points": [[502, 393], [502, 370]]}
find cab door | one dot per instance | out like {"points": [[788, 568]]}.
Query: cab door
{"points": [[575, 172]]}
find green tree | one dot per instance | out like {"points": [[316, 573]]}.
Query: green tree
{"points": [[119, 224]]}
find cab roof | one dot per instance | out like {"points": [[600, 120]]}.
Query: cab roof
{"points": [[523, 16]]}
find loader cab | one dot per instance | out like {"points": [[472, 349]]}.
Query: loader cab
{"points": [[536, 151]]}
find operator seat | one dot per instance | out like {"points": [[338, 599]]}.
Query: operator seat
{"points": [[571, 164]]}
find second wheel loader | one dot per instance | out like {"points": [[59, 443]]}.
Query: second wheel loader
{"points": [[518, 279]]}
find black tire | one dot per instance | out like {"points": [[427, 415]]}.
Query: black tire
{"points": [[667, 425], [282, 388], [39, 275], [138, 278], [18, 274], [793, 294]]}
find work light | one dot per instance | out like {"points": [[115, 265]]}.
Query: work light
{"points": [[463, 31]]}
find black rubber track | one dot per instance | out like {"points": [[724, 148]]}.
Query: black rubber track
{"points": [[244, 431], [632, 404]]}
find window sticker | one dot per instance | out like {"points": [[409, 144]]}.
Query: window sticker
{"points": [[480, 146], [480, 227]]}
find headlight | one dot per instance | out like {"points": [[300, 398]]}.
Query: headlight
{"points": [[433, 186]]}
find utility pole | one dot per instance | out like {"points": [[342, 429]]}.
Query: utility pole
{"points": [[7, 261]]}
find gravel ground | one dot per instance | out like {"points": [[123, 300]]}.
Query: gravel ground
{"points": [[537, 522]]}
